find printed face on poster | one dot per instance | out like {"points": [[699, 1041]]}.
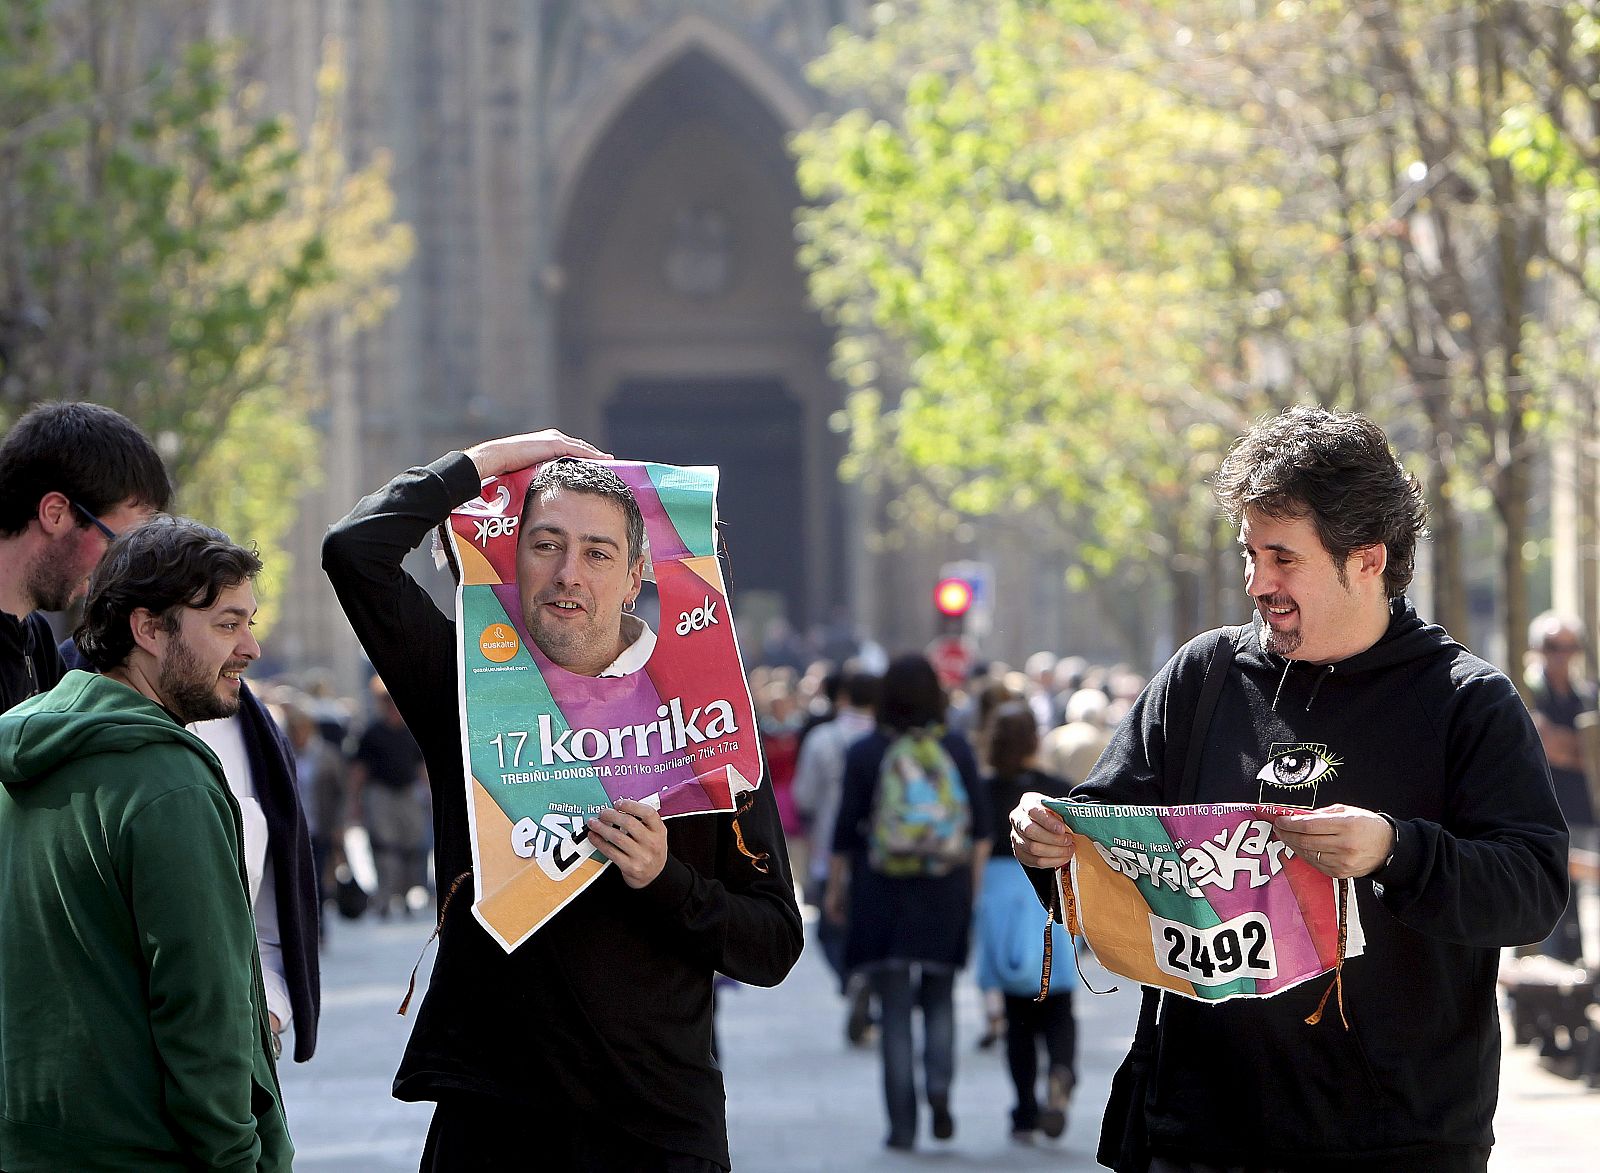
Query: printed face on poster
{"points": [[568, 701]]}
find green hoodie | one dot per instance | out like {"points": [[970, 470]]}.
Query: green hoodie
{"points": [[133, 1026]]}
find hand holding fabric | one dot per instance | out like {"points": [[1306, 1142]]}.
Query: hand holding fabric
{"points": [[1339, 840], [1039, 837]]}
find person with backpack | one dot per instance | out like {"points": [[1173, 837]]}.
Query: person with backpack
{"points": [[905, 865], [1011, 936]]}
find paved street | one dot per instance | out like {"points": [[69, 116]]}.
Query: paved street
{"points": [[799, 1100]]}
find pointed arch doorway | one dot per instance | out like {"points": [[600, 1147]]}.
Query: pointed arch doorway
{"points": [[747, 428], [684, 333]]}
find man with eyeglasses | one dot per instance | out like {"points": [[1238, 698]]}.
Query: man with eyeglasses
{"points": [[72, 477]]}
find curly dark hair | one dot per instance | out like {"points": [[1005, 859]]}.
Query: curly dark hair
{"points": [[164, 565], [1335, 468], [89, 453], [583, 476]]}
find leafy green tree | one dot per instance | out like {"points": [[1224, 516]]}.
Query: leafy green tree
{"points": [[1073, 247], [169, 249], [1060, 283]]}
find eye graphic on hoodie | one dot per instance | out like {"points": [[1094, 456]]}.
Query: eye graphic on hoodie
{"points": [[1292, 773]]}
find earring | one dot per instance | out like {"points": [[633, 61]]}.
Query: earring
{"points": [[630, 605]]}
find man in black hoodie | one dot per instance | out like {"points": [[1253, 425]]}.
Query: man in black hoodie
{"points": [[589, 1046], [1430, 789]]}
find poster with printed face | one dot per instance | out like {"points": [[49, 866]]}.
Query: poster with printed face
{"points": [[1205, 901], [570, 702]]}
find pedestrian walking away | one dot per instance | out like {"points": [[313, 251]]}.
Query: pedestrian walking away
{"points": [[1010, 945], [902, 879]]}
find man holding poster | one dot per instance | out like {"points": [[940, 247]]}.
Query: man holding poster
{"points": [[1427, 794], [586, 1045]]}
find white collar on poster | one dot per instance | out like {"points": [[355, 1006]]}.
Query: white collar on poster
{"points": [[637, 653]]}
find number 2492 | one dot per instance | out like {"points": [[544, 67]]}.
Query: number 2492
{"points": [[1239, 948]]}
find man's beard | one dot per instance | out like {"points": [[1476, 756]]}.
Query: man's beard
{"points": [[1273, 641], [186, 689], [49, 585], [1281, 643]]}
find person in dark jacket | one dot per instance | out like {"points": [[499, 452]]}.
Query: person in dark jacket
{"points": [[1424, 781], [589, 1047], [72, 477], [908, 934]]}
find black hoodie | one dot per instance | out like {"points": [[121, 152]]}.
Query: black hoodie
{"points": [[1419, 728]]}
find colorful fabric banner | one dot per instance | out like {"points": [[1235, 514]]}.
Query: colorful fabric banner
{"points": [[545, 749], [1205, 901]]}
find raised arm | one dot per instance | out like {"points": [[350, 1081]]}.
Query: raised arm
{"points": [[406, 636]]}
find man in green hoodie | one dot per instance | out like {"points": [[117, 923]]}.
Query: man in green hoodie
{"points": [[133, 1025]]}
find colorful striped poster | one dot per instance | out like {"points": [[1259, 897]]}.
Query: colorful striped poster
{"points": [[545, 748], [1205, 901]]}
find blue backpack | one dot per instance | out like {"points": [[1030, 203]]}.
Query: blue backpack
{"points": [[921, 818]]}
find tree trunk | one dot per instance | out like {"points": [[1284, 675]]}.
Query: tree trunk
{"points": [[1449, 580], [1588, 522], [1183, 572], [1511, 502]]}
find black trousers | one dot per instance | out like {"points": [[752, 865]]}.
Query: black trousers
{"points": [[1028, 1023], [473, 1135]]}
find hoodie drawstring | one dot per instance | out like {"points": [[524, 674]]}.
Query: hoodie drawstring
{"points": [[1287, 664], [1316, 683]]}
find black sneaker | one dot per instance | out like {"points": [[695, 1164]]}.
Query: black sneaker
{"points": [[944, 1124], [858, 1027], [1053, 1117]]}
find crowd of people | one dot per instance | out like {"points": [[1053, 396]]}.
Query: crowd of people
{"points": [[169, 834], [896, 943]]}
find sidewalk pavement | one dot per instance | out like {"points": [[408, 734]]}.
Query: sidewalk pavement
{"points": [[799, 1099]]}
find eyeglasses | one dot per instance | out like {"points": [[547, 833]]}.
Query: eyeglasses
{"points": [[111, 534]]}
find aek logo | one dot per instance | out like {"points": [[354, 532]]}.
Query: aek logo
{"points": [[702, 617], [494, 527]]}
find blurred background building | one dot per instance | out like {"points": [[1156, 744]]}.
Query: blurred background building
{"points": [[603, 206]]}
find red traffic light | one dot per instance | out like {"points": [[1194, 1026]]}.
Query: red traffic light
{"points": [[953, 597]]}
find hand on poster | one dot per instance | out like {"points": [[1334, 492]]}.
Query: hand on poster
{"points": [[633, 836], [510, 453], [1339, 840]]}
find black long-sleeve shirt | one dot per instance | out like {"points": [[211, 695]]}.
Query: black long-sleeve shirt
{"points": [[607, 1008]]}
